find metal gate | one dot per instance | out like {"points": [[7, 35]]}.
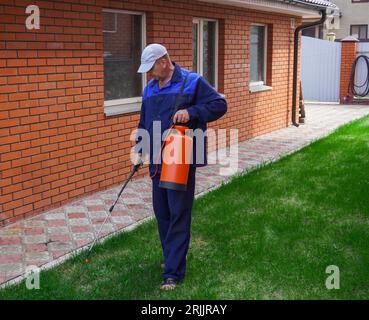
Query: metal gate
{"points": [[320, 69]]}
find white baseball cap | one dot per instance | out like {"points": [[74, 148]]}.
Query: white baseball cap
{"points": [[149, 55]]}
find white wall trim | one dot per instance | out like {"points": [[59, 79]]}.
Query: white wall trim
{"points": [[271, 6]]}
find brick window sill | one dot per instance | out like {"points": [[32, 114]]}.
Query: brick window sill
{"points": [[258, 88], [122, 107]]}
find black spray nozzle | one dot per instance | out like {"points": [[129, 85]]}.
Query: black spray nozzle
{"points": [[137, 165]]}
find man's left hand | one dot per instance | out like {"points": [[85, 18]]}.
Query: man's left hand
{"points": [[181, 116]]}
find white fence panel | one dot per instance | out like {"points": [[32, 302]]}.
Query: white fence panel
{"points": [[320, 69]]}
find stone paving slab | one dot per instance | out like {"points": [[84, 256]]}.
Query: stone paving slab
{"points": [[51, 237]]}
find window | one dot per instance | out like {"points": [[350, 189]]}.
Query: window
{"points": [[205, 49], [313, 32], [309, 32], [359, 31], [321, 31], [123, 34], [258, 54]]}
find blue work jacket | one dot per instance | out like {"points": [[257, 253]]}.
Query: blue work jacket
{"points": [[203, 103]]}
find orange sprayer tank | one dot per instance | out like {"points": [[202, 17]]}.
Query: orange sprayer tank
{"points": [[176, 159]]}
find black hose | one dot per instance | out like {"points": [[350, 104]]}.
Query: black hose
{"points": [[352, 86]]}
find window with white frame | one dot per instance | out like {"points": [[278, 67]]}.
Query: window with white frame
{"points": [[360, 31], [123, 34], [258, 54], [205, 49]]}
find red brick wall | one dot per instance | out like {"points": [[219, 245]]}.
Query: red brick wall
{"points": [[56, 144], [348, 56]]}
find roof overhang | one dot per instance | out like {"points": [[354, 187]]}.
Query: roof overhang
{"points": [[285, 7]]}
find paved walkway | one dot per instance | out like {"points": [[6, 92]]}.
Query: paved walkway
{"points": [[49, 238]]}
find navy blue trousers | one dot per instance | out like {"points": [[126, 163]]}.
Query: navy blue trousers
{"points": [[173, 214]]}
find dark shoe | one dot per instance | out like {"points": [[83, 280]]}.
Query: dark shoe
{"points": [[168, 284]]}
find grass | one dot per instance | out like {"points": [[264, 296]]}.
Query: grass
{"points": [[269, 234]]}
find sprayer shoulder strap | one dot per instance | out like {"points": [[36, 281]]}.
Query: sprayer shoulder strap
{"points": [[183, 84], [178, 97]]}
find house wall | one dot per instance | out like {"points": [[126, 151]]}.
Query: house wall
{"points": [[352, 14], [56, 143]]}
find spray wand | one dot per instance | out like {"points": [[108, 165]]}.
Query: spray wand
{"points": [[134, 170]]}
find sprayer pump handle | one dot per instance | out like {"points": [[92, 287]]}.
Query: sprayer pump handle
{"points": [[181, 123]]}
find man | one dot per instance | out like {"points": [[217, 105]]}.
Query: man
{"points": [[199, 104]]}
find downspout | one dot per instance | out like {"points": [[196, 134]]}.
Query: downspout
{"points": [[295, 57]]}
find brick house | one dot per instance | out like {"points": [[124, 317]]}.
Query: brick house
{"points": [[70, 94]]}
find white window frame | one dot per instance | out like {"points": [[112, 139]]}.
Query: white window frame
{"points": [[200, 61], [133, 104], [261, 83]]}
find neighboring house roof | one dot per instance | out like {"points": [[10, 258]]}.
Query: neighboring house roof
{"points": [[319, 3]]}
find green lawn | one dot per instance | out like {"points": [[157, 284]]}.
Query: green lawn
{"points": [[269, 234]]}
